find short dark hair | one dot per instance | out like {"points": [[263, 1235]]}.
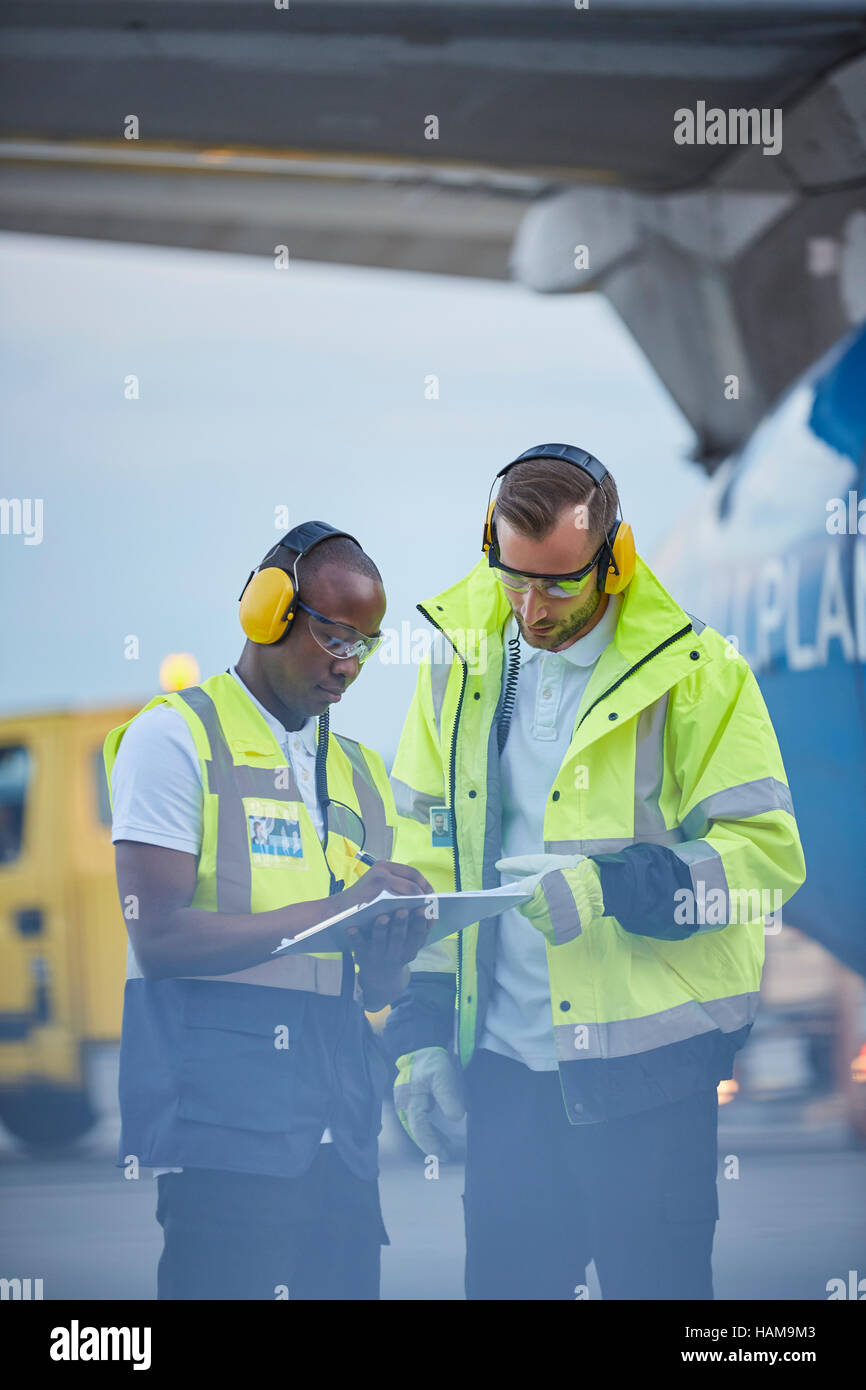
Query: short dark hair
{"points": [[337, 550], [534, 494]]}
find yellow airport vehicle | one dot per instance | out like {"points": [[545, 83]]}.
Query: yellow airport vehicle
{"points": [[62, 937]]}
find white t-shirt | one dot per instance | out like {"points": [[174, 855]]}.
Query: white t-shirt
{"points": [[156, 784], [518, 1022]]}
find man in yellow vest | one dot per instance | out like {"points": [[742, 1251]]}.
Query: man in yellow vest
{"points": [[608, 750], [252, 1083]]}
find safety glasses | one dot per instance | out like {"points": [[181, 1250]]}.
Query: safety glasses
{"points": [[338, 639], [554, 585]]}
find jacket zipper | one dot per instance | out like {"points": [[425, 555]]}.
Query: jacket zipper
{"points": [[452, 768], [638, 664], [452, 771]]}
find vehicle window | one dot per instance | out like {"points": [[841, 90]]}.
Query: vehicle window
{"points": [[103, 805], [15, 774]]}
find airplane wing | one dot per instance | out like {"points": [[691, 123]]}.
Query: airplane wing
{"points": [[475, 137]]}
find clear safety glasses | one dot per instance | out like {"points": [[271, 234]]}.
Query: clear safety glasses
{"points": [[338, 639], [553, 585]]}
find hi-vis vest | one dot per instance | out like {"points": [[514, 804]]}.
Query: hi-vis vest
{"points": [[240, 1071], [672, 748]]}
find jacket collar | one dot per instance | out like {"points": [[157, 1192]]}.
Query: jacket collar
{"points": [[648, 613], [648, 617]]}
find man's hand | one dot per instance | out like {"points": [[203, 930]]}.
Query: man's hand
{"points": [[426, 1078], [383, 952], [384, 877], [567, 893]]}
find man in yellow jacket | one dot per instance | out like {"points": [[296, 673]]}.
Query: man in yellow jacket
{"points": [[590, 738]]}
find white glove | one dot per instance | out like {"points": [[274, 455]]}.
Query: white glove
{"points": [[523, 864], [426, 1078], [575, 882]]}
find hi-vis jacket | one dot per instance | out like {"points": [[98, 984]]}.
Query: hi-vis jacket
{"points": [[673, 783], [244, 1071]]}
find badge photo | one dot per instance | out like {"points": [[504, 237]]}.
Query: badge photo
{"points": [[440, 827], [275, 835]]}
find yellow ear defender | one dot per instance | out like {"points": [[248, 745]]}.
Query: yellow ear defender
{"points": [[617, 559], [270, 596], [488, 540], [620, 554]]}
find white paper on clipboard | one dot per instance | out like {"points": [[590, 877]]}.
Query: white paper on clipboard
{"points": [[449, 913]]}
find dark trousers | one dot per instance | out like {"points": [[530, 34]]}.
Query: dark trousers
{"points": [[242, 1236], [543, 1197]]}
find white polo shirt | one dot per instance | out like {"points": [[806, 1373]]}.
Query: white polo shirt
{"points": [[518, 1022], [157, 792]]}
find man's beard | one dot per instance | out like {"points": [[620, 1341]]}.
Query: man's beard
{"points": [[566, 629]]}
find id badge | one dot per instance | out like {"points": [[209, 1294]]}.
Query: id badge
{"points": [[440, 827]]}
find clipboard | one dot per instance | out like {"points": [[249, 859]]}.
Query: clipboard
{"points": [[448, 913]]}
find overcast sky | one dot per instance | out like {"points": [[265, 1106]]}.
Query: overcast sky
{"points": [[261, 388]]}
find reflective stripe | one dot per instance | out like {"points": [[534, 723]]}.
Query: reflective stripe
{"points": [[263, 781], [707, 872], [133, 969], [343, 822], [439, 673], [625, 1037], [402, 1095], [224, 774], [315, 974], [413, 804], [561, 907], [738, 803], [696, 623], [229, 782], [379, 834], [663, 837], [233, 866], [649, 768]]}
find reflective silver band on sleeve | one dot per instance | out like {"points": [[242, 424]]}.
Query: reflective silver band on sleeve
{"points": [[739, 803], [561, 906], [611, 846], [708, 876], [412, 804]]}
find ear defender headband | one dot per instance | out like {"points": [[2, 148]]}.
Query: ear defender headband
{"points": [[269, 598], [617, 559]]}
